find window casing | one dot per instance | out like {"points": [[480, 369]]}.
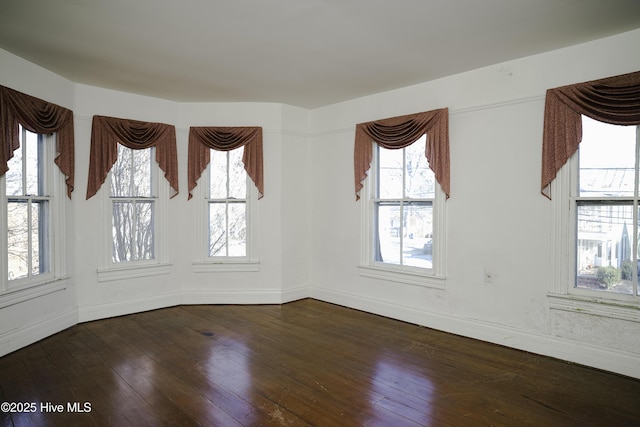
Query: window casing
{"points": [[133, 210], [596, 233], [33, 215], [226, 221], [403, 217]]}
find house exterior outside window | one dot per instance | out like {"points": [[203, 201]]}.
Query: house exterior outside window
{"points": [[596, 207], [403, 218]]}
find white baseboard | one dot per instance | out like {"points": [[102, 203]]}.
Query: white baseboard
{"points": [[621, 362], [22, 337], [261, 296], [120, 308], [301, 292]]}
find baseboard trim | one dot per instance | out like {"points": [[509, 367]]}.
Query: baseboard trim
{"points": [[620, 362], [295, 294], [21, 337], [121, 308], [192, 297], [261, 296]]}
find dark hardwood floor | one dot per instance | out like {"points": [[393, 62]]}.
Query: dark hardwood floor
{"points": [[300, 364]]}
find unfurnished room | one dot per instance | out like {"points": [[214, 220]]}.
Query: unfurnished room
{"points": [[320, 213]]}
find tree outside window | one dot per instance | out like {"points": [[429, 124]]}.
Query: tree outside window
{"points": [[403, 207], [133, 202], [28, 209], [227, 204]]}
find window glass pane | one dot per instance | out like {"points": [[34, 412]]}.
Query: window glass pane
{"points": [[237, 175], [144, 230], [604, 248], [390, 173], [18, 239], [417, 241], [121, 173], [387, 233], [237, 229], [142, 173], [420, 178], [33, 170], [14, 174], [218, 175], [122, 231], [217, 229], [607, 159]]}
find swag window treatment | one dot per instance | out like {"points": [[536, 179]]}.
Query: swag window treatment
{"points": [[613, 100], [201, 139], [107, 132], [37, 116], [400, 132]]}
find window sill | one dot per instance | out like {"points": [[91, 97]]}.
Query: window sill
{"points": [[24, 293], [226, 266], [133, 271], [406, 277], [595, 306]]}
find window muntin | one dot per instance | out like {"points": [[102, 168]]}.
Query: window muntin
{"points": [[133, 205], [403, 207], [606, 208], [227, 207]]}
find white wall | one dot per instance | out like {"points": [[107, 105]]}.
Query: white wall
{"points": [[309, 226], [282, 221], [24, 319], [497, 219]]}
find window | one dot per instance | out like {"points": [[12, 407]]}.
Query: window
{"points": [[229, 210], [133, 205], [135, 215], [605, 198], [33, 218], [403, 218], [227, 202], [596, 248]]}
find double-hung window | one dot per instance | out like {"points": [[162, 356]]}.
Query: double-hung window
{"points": [[591, 172], [227, 223], [134, 240], [32, 217], [605, 200], [403, 217], [133, 204], [596, 207], [227, 205]]}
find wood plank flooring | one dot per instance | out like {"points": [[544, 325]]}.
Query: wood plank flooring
{"points": [[305, 363]]}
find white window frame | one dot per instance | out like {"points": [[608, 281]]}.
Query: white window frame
{"points": [[109, 270], [563, 295], [203, 263], [19, 290], [434, 277]]}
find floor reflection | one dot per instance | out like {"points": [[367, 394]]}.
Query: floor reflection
{"points": [[227, 369], [405, 392]]}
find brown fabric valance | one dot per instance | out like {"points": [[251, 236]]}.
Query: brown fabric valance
{"points": [[201, 139], [107, 132], [400, 132], [37, 116], [614, 100]]}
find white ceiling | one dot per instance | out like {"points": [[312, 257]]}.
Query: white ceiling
{"points": [[308, 53]]}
